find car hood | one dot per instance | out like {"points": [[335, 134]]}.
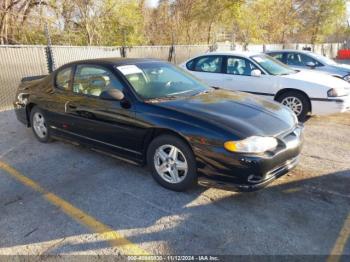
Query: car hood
{"points": [[243, 114], [318, 78]]}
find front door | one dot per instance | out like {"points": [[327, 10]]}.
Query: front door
{"points": [[107, 124], [58, 94], [238, 77]]}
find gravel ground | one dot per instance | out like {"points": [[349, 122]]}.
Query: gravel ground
{"points": [[304, 212]]}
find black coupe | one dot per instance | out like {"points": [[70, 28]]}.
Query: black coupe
{"points": [[151, 112]]}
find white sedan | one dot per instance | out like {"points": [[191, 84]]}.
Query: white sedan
{"points": [[304, 92]]}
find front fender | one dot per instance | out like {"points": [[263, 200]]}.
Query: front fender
{"points": [[312, 90], [200, 135], [195, 132]]}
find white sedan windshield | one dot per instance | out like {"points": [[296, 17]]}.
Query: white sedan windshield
{"points": [[324, 60]]}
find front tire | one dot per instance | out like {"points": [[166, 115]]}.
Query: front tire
{"points": [[297, 102], [172, 163], [39, 125]]}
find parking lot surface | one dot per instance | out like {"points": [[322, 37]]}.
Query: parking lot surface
{"points": [[60, 198]]}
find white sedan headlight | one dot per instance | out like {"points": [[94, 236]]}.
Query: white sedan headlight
{"points": [[334, 92], [253, 144]]}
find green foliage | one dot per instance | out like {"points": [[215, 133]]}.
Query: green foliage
{"points": [[322, 17], [121, 24], [131, 22], [281, 21]]}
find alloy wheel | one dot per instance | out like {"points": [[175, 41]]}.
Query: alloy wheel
{"points": [[39, 125], [293, 103], [170, 163]]}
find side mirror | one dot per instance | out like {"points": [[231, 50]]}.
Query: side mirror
{"points": [[256, 73], [112, 94], [311, 65]]}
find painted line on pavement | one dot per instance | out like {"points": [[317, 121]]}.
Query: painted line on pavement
{"points": [[341, 241], [114, 238]]}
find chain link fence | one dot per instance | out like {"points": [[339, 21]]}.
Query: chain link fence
{"points": [[18, 61]]}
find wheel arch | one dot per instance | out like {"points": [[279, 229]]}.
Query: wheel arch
{"points": [[156, 132], [285, 90], [29, 108], [338, 76]]}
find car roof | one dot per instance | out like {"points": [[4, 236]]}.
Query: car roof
{"points": [[289, 51], [234, 53], [114, 61]]}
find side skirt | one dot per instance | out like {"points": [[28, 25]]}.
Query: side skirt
{"points": [[75, 143], [67, 136]]}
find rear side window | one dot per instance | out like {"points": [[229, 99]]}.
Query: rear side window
{"points": [[210, 64], [63, 78], [190, 65]]}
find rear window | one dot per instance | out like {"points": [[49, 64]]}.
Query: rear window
{"points": [[208, 64], [190, 64]]}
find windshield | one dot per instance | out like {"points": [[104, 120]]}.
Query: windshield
{"points": [[324, 60], [272, 65], [157, 80]]}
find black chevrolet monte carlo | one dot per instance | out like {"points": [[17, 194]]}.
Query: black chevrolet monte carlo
{"points": [[150, 112]]}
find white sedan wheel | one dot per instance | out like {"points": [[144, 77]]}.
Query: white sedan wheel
{"points": [[293, 103]]}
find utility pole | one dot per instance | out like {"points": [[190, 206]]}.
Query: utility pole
{"points": [[48, 50], [123, 50], [233, 41], [172, 49]]}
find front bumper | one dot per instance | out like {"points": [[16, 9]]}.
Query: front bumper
{"points": [[243, 172], [272, 175], [330, 106]]}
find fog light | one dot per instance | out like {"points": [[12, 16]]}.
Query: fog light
{"points": [[254, 179]]}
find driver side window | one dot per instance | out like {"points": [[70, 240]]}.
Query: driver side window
{"points": [[296, 59], [306, 59], [93, 80]]}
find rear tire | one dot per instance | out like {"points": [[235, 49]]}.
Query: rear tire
{"points": [[172, 163], [39, 125], [297, 102]]}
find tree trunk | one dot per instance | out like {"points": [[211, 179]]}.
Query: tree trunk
{"points": [[209, 33], [3, 24]]}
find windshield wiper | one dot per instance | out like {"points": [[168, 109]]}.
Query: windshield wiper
{"points": [[293, 72], [163, 98], [203, 92], [176, 96], [180, 93]]}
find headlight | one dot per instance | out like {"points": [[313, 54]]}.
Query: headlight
{"points": [[347, 78], [253, 144], [337, 92]]}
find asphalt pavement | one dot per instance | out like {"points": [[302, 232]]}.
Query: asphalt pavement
{"points": [[60, 198]]}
